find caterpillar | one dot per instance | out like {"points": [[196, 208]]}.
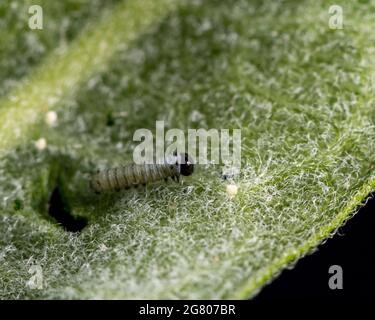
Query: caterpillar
{"points": [[124, 177]]}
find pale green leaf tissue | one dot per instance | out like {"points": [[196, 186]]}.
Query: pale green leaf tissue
{"points": [[301, 92]]}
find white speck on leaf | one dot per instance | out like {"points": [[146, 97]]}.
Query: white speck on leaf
{"points": [[41, 144], [103, 247], [232, 190], [51, 118]]}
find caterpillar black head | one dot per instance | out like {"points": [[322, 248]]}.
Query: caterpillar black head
{"points": [[185, 164]]}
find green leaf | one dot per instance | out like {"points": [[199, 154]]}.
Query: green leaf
{"points": [[300, 92]]}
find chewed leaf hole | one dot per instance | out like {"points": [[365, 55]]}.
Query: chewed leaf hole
{"points": [[58, 209]]}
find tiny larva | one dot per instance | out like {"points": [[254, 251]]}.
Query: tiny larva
{"points": [[124, 177]]}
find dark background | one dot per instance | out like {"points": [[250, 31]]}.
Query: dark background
{"points": [[352, 247]]}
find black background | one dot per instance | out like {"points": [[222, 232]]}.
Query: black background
{"points": [[352, 247]]}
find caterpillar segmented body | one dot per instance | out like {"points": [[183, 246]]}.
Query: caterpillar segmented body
{"points": [[133, 175]]}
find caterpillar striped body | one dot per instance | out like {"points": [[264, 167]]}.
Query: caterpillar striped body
{"points": [[115, 179]]}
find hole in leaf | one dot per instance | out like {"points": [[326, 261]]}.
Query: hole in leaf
{"points": [[59, 210], [17, 204], [110, 119]]}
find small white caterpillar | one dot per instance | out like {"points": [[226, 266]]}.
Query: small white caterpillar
{"points": [[133, 175]]}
